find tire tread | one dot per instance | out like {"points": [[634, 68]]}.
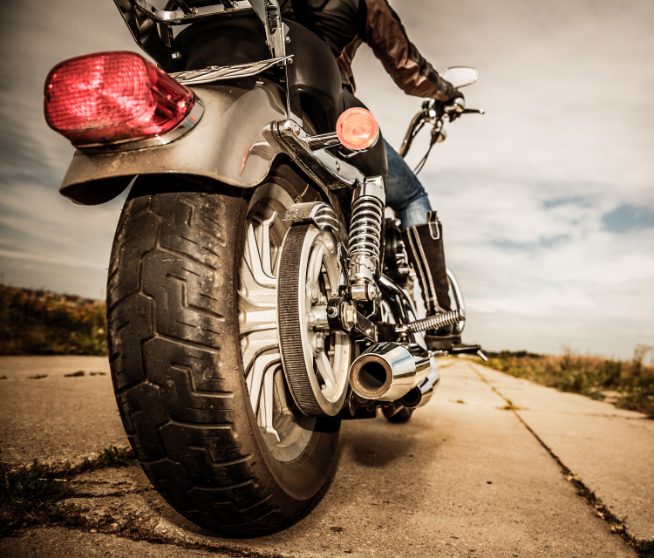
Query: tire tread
{"points": [[171, 315]]}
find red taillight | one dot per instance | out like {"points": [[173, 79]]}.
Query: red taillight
{"points": [[357, 129], [113, 96]]}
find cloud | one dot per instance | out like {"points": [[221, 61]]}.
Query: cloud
{"points": [[547, 200]]}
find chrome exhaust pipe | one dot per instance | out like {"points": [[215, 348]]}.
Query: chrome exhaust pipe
{"points": [[387, 372], [428, 385], [418, 396]]}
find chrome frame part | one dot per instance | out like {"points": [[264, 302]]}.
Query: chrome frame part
{"points": [[319, 164]]}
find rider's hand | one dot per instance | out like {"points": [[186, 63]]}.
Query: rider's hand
{"points": [[455, 106], [459, 101]]}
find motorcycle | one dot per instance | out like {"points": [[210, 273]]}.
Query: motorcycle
{"points": [[256, 294]]}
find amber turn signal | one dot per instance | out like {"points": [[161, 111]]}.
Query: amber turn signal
{"points": [[357, 129]]}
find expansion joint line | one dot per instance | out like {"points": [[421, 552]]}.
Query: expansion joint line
{"points": [[616, 525]]}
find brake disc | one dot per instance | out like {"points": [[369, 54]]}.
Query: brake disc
{"points": [[316, 361]]}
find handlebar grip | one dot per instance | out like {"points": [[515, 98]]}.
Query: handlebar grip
{"points": [[459, 105]]}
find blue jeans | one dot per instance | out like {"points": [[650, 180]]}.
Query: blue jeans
{"points": [[404, 192]]}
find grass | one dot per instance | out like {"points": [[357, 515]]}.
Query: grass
{"points": [[112, 456], [34, 494], [31, 495], [42, 322], [629, 384]]}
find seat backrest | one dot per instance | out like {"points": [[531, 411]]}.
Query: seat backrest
{"points": [[240, 40]]}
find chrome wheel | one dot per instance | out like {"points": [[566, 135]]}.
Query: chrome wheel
{"points": [[286, 431]]}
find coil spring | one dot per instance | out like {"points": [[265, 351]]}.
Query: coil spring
{"points": [[365, 231], [435, 322]]}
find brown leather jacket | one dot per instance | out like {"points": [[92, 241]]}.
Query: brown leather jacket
{"points": [[345, 24]]}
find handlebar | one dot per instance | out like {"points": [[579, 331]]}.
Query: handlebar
{"points": [[434, 113], [456, 107]]}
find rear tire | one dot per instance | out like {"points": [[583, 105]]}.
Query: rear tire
{"points": [[176, 360]]}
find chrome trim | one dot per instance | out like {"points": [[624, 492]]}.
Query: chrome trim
{"points": [[185, 126], [220, 73]]}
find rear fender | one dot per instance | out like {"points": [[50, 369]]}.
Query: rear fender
{"points": [[230, 144]]}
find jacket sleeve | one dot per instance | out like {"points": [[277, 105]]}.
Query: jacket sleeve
{"points": [[387, 37]]}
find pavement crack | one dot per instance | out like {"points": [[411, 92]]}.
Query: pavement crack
{"points": [[187, 545], [36, 493], [617, 526], [109, 457], [116, 494]]}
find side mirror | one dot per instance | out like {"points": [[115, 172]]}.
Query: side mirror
{"points": [[460, 76]]}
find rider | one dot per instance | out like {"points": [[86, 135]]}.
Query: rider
{"points": [[344, 25]]}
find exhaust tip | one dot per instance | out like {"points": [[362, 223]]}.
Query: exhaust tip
{"points": [[385, 372], [371, 377], [412, 399]]}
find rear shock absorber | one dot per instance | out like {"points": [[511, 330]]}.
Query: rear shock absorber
{"points": [[365, 237]]}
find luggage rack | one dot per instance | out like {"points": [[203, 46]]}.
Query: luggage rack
{"points": [[151, 23], [152, 27], [185, 12]]}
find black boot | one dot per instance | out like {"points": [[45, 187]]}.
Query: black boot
{"points": [[425, 247]]}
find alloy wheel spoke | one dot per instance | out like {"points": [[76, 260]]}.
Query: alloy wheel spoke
{"points": [[267, 401], [266, 246], [326, 370], [255, 260], [262, 366], [257, 343]]}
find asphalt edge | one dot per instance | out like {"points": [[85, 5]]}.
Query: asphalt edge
{"points": [[617, 526]]}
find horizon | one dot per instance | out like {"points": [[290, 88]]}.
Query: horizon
{"points": [[648, 355], [547, 200]]}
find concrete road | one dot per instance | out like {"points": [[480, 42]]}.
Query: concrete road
{"points": [[493, 466]]}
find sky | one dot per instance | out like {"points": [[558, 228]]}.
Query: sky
{"points": [[547, 200]]}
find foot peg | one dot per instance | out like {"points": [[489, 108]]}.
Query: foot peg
{"points": [[452, 344], [469, 350], [442, 342]]}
